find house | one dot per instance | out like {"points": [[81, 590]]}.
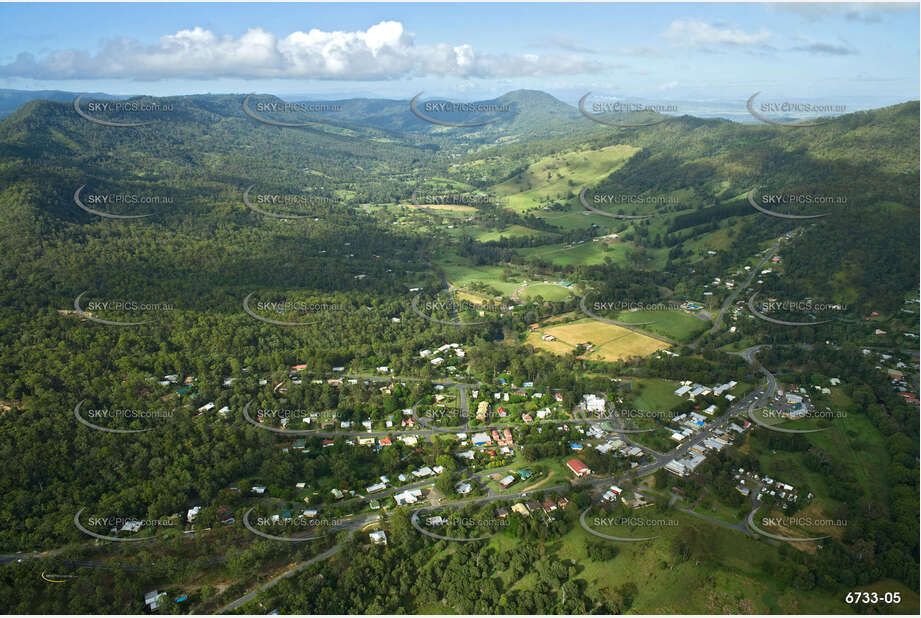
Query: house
{"points": [[521, 509], [578, 468], [463, 489], [337, 493], [298, 367], [482, 411], [132, 526], [410, 496], [366, 441], [502, 512], [376, 487], [258, 489], [507, 481], [385, 441], [378, 537], [192, 513], [153, 599], [480, 439], [593, 403], [206, 407]]}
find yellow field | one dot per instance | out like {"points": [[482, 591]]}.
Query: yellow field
{"points": [[611, 343], [449, 207]]}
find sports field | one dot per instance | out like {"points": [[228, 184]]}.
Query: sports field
{"points": [[610, 343]]}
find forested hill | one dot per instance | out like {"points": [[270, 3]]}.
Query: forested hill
{"points": [[865, 163]]}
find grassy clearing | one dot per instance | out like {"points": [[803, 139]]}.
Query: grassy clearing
{"points": [[654, 394], [556, 177], [547, 291], [611, 342], [589, 253], [677, 325]]}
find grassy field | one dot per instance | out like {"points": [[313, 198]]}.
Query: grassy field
{"points": [[512, 231], [459, 208], [588, 253], [555, 177], [611, 342], [654, 394], [460, 273], [677, 325], [546, 290], [721, 578]]}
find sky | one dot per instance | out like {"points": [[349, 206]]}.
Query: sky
{"points": [[861, 55]]}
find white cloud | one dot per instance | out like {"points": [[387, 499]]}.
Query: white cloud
{"points": [[383, 51], [693, 33]]}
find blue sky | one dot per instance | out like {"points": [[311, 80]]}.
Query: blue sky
{"points": [[715, 53]]}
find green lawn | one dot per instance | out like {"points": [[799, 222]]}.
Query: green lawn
{"points": [[547, 291], [588, 253], [557, 176], [678, 325], [654, 394]]}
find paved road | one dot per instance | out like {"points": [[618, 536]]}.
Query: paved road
{"points": [[253, 594], [732, 297]]}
